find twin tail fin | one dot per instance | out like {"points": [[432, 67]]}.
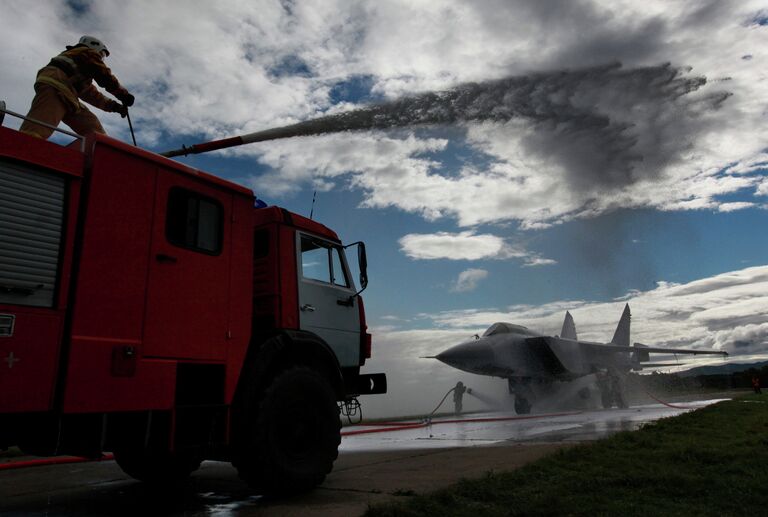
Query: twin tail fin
{"points": [[620, 337]]}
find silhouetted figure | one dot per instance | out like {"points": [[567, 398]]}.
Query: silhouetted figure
{"points": [[65, 81], [458, 395], [756, 385]]}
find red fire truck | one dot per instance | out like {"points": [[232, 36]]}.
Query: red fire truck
{"points": [[150, 309]]}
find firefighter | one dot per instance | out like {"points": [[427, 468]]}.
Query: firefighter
{"points": [[458, 394], [68, 78]]}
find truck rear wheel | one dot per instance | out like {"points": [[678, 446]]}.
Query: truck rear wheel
{"points": [[292, 442], [157, 468]]}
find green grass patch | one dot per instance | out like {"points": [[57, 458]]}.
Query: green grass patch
{"points": [[713, 461], [12, 452]]}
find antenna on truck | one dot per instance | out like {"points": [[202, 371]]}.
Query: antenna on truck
{"points": [[312, 210]]}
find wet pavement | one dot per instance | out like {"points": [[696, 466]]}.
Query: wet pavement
{"points": [[373, 467], [495, 428]]}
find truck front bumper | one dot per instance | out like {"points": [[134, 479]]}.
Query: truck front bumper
{"points": [[371, 384]]}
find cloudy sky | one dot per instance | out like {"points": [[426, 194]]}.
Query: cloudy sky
{"points": [[588, 153]]}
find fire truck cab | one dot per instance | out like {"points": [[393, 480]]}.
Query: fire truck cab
{"points": [[149, 309]]}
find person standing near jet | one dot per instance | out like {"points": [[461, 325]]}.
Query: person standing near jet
{"points": [[458, 396], [67, 79]]}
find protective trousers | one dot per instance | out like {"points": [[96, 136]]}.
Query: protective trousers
{"points": [[48, 106]]}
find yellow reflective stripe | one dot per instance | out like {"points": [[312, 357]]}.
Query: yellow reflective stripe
{"points": [[63, 88], [68, 60]]}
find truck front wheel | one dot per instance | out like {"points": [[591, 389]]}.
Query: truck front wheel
{"points": [[293, 440]]}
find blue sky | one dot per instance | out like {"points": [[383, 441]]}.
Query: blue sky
{"points": [[623, 190]]}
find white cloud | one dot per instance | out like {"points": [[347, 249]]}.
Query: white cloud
{"points": [[762, 188], [454, 246], [734, 206], [539, 261], [468, 280], [467, 245], [756, 164], [372, 162]]}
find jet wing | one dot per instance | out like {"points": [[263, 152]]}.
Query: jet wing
{"points": [[639, 347], [662, 350]]}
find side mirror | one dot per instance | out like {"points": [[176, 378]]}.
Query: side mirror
{"points": [[362, 260]]}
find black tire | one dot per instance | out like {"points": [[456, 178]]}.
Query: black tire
{"points": [[159, 467], [522, 406], [293, 440]]}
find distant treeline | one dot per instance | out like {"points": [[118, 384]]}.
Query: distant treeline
{"points": [[674, 382]]}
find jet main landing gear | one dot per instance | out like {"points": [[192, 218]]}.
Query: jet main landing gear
{"points": [[523, 394]]}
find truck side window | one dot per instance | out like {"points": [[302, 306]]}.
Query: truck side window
{"points": [[338, 273], [322, 261], [194, 221], [314, 260]]}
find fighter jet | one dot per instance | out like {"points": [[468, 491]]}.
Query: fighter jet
{"points": [[525, 357]]}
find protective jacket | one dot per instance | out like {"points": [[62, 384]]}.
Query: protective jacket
{"points": [[72, 73]]}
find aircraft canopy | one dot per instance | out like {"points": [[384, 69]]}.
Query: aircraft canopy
{"points": [[506, 328]]}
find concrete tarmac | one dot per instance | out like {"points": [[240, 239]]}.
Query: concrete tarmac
{"points": [[372, 468]]}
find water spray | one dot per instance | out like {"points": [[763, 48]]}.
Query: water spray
{"points": [[485, 399], [546, 98]]}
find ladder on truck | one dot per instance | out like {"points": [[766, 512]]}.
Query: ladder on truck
{"points": [[4, 111]]}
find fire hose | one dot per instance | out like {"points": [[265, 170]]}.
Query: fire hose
{"points": [[59, 460], [441, 402], [656, 398]]}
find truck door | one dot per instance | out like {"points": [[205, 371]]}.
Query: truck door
{"points": [[327, 306], [188, 291], [32, 204]]}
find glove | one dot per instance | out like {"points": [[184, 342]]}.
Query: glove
{"points": [[122, 109], [126, 98]]}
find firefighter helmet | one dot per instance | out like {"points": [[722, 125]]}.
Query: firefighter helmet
{"points": [[94, 43]]}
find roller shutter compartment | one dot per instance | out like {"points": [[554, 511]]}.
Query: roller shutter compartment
{"points": [[31, 215]]}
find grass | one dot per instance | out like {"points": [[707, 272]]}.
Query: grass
{"points": [[713, 461], [11, 452]]}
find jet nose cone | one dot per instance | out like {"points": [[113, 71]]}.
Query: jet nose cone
{"points": [[471, 356]]}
